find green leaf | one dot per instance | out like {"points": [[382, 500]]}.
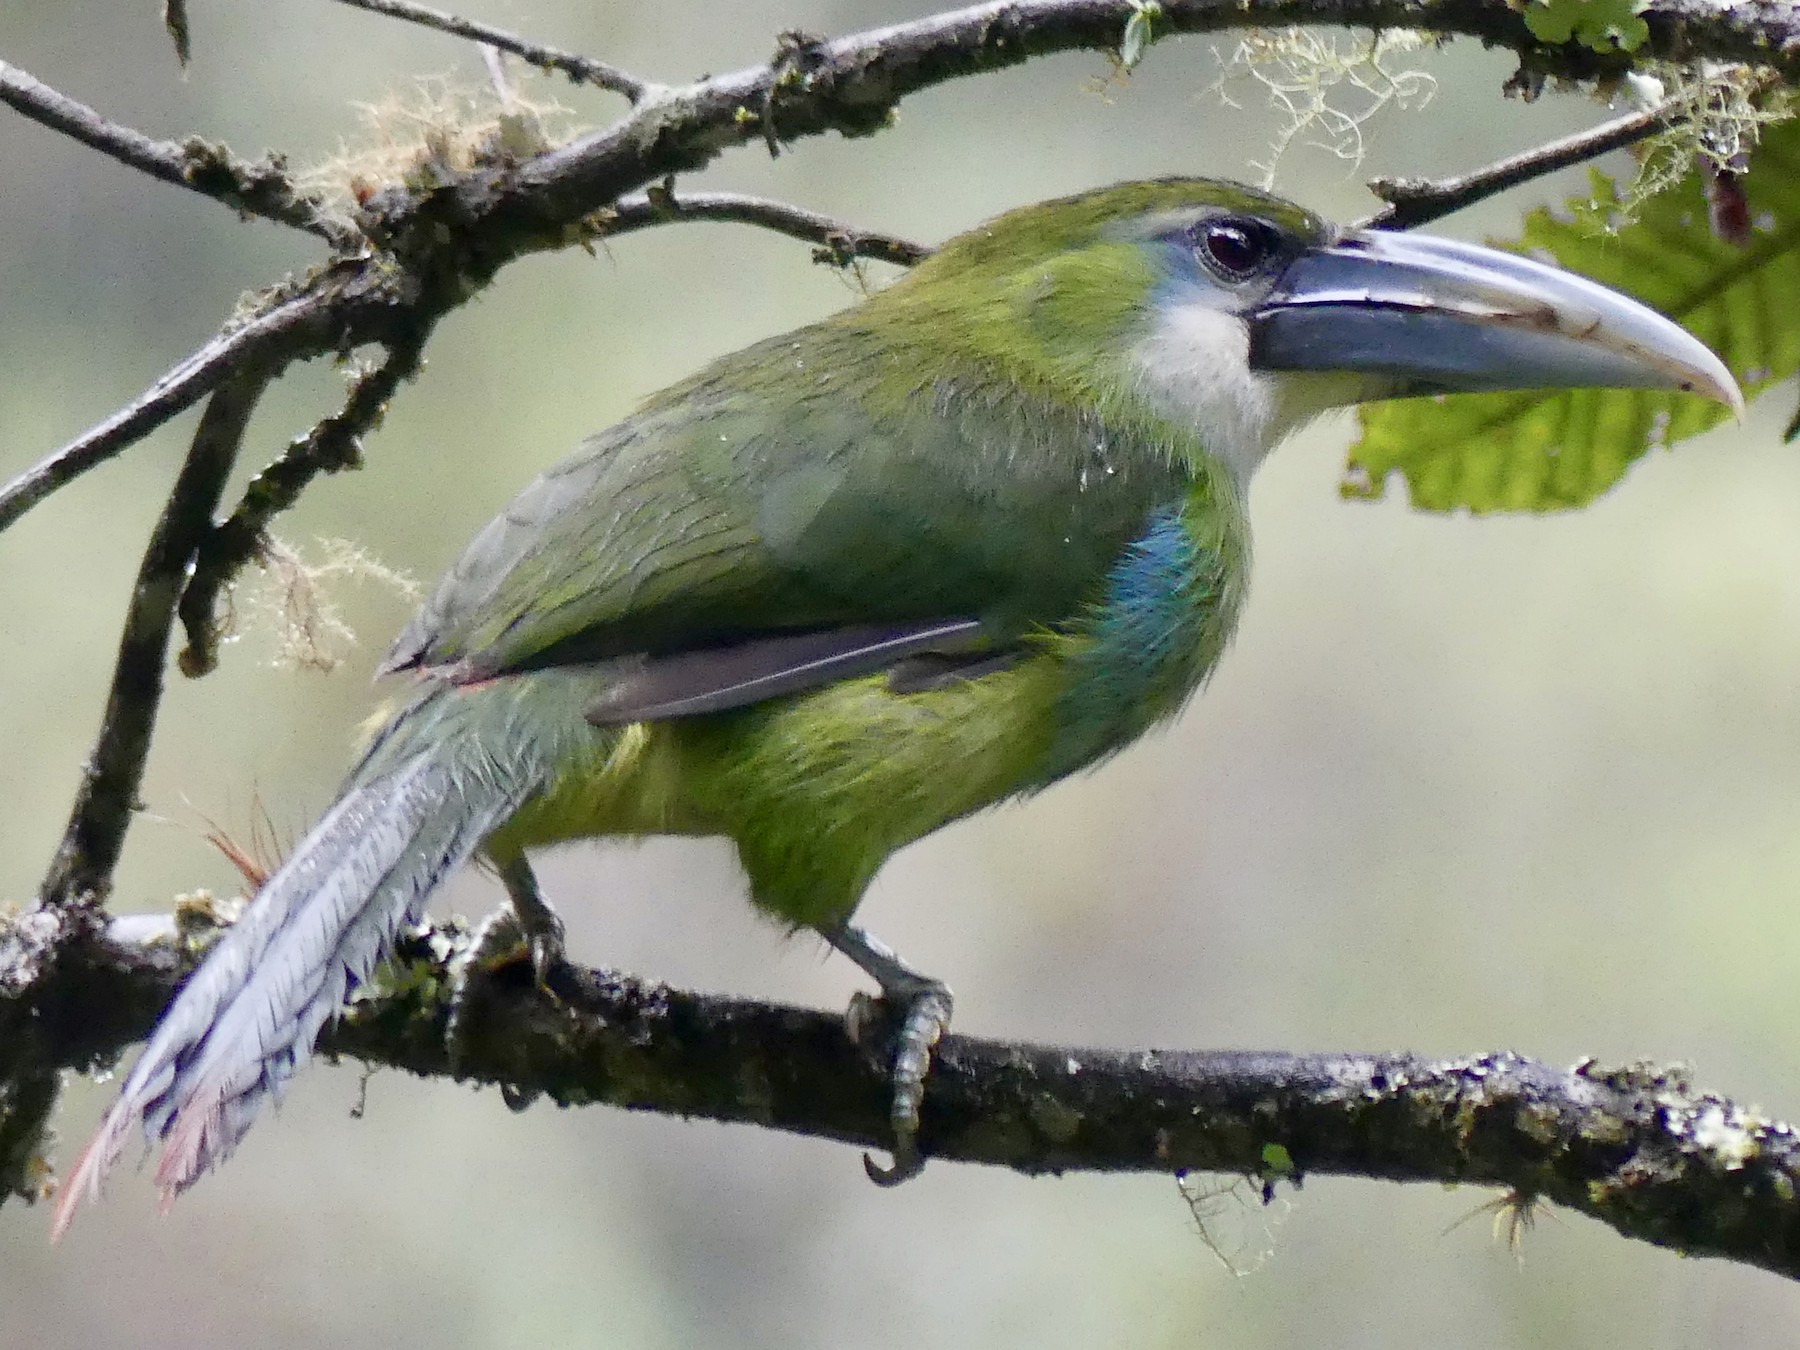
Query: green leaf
{"points": [[1604, 25], [1556, 451]]}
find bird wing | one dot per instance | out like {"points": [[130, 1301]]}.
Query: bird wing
{"points": [[736, 540]]}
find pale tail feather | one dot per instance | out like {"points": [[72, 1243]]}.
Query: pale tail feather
{"points": [[247, 1018]]}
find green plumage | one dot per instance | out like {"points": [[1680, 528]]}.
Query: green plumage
{"points": [[951, 447], [941, 549]]}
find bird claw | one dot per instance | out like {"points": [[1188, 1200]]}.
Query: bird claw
{"points": [[536, 928], [927, 1006], [908, 1163], [503, 939], [544, 944]]}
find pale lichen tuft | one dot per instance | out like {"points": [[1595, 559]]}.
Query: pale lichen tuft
{"points": [[290, 600], [433, 135], [1717, 115], [1324, 87]]}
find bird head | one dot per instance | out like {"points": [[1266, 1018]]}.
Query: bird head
{"points": [[1240, 316]]}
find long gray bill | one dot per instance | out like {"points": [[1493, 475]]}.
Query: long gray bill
{"points": [[1438, 316]]}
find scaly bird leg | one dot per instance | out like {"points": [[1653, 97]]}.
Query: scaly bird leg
{"points": [[539, 924], [925, 1005]]}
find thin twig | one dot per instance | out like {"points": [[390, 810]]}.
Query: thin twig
{"points": [[263, 189], [495, 61], [840, 241], [1415, 201], [83, 866], [576, 67], [174, 393], [331, 446]]}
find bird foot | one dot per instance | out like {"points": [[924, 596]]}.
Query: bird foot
{"points": [[539, 925], [924, 1006], [503, 939]]}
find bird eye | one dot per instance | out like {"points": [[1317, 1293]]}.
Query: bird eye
{"points": [[1234, 248]]}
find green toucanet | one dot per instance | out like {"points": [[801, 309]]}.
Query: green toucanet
{"points": [[942, 549]]}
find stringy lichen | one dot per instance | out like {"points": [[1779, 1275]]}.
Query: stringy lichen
{"points": [[434, 134], [1324, 87], [290, 601], [1718, 114]]}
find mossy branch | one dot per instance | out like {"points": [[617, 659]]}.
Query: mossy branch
{"points": [[422, 248], [1636, 1147]]}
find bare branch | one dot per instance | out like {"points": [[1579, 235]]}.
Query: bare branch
{"points": [[1636, 1147], [173, 394], [331, 446], [580, 68], [1416, 201], [82, 868], [839, 242], [263, 189]]}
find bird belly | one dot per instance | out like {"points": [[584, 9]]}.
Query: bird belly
{"points": [[819, 789], [815, 790]]}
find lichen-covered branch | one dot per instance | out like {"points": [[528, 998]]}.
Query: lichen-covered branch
{"points": [[436, 246], [260, 189], [853, 85], [1636, 1146]]}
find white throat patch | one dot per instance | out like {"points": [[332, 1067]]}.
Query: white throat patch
{"points": [[1194, 369]]}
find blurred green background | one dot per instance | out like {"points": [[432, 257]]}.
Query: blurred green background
{"points": [[1461, 784]]}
